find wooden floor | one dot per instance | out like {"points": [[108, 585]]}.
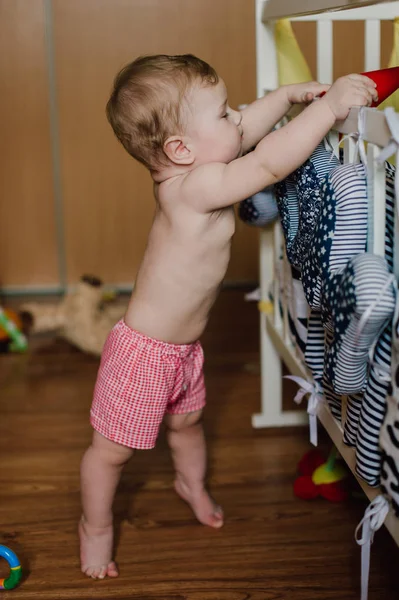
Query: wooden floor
{"points": [[273, 546]]}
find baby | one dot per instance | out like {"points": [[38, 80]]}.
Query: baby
{"points": [[172, 114]]}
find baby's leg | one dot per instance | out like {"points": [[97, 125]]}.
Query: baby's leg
{"points": [[101, 468], [187, 443]]}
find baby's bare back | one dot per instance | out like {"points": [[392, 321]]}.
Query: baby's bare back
{"points": [[183, 267]]}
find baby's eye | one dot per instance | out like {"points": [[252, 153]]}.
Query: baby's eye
{"points": [[225, 116]]}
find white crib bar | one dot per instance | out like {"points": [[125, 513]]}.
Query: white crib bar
{"points": [[349, 150], [372, 44], [325, 51], [271, 373], [286, 286], [272, 414], [277, 300], [376, 202], [266, 63]]}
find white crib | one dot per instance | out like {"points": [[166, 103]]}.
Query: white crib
{"points": [[276, 342]]}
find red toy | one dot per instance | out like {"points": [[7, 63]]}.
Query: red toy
{"points": [[387, 81], [319, 477]]}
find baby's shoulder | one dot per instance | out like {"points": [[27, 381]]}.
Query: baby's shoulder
{"points": [[190, 186]]}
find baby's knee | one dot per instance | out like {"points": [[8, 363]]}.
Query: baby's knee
{"points": [[110, 452], [180, 422]]}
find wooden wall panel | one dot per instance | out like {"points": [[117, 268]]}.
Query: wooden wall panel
{"points": [[346, 61], [27, 230], [108, 203]]}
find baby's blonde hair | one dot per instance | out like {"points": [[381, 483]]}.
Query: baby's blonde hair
{"points": [[144, 107]]}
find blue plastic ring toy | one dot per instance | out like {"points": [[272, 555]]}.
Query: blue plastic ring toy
{"points": [[15, 575]]}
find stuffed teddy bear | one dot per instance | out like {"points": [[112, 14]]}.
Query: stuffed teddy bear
{"points": [[82, 317]]}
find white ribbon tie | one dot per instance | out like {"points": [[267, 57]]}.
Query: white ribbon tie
{"points": [[315, 397], [373, 519]]}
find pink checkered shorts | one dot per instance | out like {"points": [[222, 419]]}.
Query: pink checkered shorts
{"points": [[139, 380]]}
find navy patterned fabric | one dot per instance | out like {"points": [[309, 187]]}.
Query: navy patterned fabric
{"points": [[341, 230], [372, 412], [374, 396], [364, 282], [328, 249], [389, 441], [260, 209], [298, 311], [389, 435], [373, 407], [298, 199], [314, 352]]}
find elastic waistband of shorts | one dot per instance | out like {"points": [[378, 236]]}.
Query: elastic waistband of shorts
{"points": [[158, 345]]}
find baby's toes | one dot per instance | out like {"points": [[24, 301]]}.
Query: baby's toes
{"points": [[112, 570], [95, 572], [103, 572], [216, 519]]}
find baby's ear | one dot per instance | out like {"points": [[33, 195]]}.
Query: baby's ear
{"points": [[178, 150]]}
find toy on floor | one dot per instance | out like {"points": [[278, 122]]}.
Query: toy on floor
{"points": [[12, 338], [15, 575], [319, 477], [82, 317]]}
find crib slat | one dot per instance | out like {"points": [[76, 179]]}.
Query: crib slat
{"points": [[376, 201], [325, 51], [287, 291], [278, 322], [372, 44], [349, 151], [266, 60]]}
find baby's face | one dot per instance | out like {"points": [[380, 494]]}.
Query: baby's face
{"points": [[213, 127]]}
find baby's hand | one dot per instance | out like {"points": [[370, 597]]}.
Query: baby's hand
{"points": [[348, 91], [305, 92]]}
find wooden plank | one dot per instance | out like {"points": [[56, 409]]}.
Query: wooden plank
{"points": [[108, 197], [286, 351], [28, 246], [277, 9], [386, 12], [274, 545]]}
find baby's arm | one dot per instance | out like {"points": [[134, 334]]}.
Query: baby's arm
{"points": [[259, 118], [214, 186]]}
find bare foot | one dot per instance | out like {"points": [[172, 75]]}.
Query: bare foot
{"points": [[204, 508], [96, 551]]}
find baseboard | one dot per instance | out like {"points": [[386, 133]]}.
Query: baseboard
{"points": [[120, 288]]}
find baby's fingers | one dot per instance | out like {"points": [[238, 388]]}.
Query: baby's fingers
{"points": [[363, 79], [371, 93], [307, 97], [362, 97], [374, 94]]}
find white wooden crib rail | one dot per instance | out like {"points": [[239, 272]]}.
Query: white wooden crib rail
{"points": [[276, 341]]}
